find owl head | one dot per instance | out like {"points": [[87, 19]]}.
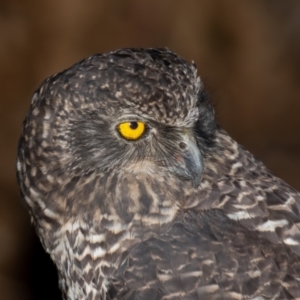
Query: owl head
{"points": [[119, 134]]}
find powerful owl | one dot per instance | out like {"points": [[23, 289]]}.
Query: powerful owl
{"points": [[137, 193]]}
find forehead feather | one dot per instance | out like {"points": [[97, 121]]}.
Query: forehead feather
{"points": [[154, 82]]}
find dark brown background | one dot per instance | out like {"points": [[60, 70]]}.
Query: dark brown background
{"points": [[247, 52]]}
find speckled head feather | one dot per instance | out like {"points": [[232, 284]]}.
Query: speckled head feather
{"points": [[182, 212]]}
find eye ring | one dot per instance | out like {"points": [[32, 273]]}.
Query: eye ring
{"points": [[132, 130]]}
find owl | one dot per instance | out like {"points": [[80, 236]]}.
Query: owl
{"points": [[137, 193]]}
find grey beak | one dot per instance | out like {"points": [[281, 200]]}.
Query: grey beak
{"points": [[190, 166]]}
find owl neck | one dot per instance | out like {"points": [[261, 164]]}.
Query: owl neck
{"points": [[89, 247]]}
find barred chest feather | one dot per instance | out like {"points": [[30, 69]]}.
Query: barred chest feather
{"points": [[88, 250]]}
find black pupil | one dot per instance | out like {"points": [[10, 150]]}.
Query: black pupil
{"points": [[133, 125]]}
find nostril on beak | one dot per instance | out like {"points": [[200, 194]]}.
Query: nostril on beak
{"points": [[182, 145]]}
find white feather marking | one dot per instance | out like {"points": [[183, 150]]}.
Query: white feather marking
{"points": [[237, 165], [98, 252], [41, 203], [208, 262], [96, 238], [233, 295], [45, 131], [244, 206], [47, 115], [177, 295], [114, 248], [207, 289], [118, 94], [254, 274], [271, 225], [165, 277], [192, 274], [86, 252], [291, 242], [72, 226], [35, 111], [205, 184], [19, 166], [240, 215], [51, 214], [28, 201], [290, 201]]}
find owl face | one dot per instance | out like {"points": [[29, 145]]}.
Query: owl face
{"points": [[135, 143], [137, 114]]}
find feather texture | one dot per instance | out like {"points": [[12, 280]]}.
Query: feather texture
{"points": [[126, 219]]}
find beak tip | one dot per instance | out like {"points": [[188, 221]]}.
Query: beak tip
{"points": [[196, 180]]}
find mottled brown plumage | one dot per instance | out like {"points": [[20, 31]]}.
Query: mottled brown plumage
{"points": [[184, 212]]}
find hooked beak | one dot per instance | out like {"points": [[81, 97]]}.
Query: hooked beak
{"points": [[190, 161]]}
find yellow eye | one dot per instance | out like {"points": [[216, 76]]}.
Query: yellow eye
{"points": [[131, 130]]}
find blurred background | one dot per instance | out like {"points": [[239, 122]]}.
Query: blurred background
{"points": [[247, 53]]}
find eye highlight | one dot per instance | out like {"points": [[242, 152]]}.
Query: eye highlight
{"points": [[131, 130]]}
